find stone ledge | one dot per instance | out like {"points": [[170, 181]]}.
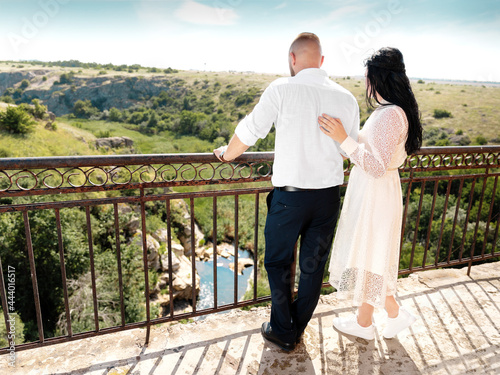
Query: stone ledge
{"points": [[458, 331]]}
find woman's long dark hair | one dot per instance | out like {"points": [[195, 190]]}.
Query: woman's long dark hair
{"points": [[386, 75]]}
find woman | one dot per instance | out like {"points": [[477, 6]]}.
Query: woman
{"points": [[365, 255]]}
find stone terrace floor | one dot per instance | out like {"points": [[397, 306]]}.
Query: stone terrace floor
{"points": [[457, 332]]}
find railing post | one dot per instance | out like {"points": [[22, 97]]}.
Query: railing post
{"points": [[236, 246], [92, 268], [145, 262], [119, 262], [214, 247], [63, 272], [256, 246], [34, 280]]}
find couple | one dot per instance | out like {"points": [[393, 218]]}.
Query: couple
{"points": [[317, 124]]}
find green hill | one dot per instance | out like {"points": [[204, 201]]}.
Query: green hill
{"points": [[168, 111]]}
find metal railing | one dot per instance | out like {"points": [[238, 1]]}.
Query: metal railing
{"points": [[85, 182]]}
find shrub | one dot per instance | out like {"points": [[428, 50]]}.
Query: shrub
{"points": [[44, 78], [103, 72], [464, 141], [441, 113], [65, 79], [16, 120], [7, 99], [420, 81], [480, 140], [51, 126], [170, 70], [5, 154], [459, 132], [245, 98], [103, 134], [40, 110], [443, 142], [24, 84]]}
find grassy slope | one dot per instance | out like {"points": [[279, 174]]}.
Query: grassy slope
{"points": [[162, 143], [66, 140]]}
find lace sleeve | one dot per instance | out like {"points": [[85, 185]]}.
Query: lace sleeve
{"points": [[383, 137]]}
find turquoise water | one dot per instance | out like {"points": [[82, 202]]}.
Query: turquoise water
{"points": [[225, 281]]}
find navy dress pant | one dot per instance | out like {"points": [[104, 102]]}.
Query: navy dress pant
{"points": [[312, 215]]}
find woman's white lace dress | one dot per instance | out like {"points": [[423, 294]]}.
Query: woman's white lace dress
{"points": [[365, 254]]}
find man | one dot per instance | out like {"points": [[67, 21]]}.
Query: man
{"points": [[307, 172]]}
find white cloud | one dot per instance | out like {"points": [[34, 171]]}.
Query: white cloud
{"points": [[338, 16], [340, 13], [200, 14], [281, 6]]}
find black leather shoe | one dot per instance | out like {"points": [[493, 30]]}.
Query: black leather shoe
{"points": [[297, 340], [268, 334]]}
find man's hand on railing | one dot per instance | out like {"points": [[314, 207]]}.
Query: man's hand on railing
{"points": [[219, 153], [231, 151]]}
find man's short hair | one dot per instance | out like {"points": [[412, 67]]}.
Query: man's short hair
{"points": [[305, 37]]}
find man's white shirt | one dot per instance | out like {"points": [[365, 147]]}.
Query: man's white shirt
{"points": [[304, 156]]}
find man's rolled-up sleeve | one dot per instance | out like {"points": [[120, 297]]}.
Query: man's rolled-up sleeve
{"points": [[259, 122]]}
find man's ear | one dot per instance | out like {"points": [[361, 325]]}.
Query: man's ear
{"points": [[322, 61], [293, 58]]}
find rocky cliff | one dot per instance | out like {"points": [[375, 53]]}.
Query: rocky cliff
{"points": [[105, 92]]}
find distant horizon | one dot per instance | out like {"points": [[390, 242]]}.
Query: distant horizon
{"points": [[284, 73]]}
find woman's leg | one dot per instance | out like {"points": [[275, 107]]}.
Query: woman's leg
{"points": [[391, 306], [399, 318], [360, 325], [365, 314]]}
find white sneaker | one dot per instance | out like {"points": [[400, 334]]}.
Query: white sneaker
{"points": [[350, 326], [397, 324]]}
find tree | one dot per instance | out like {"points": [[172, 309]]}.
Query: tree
{"points": [[84, 109], [153, 120], [190, 123], [16, 120], [115, 115], [40, 110]]}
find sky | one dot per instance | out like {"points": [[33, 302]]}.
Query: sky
{"points": [[439, 39]]}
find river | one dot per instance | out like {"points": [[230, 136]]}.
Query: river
{"points": [[225, 281]]}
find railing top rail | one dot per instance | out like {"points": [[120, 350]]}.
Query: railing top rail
{"points": [[145, 159], [458, 150], [134, 159]]}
